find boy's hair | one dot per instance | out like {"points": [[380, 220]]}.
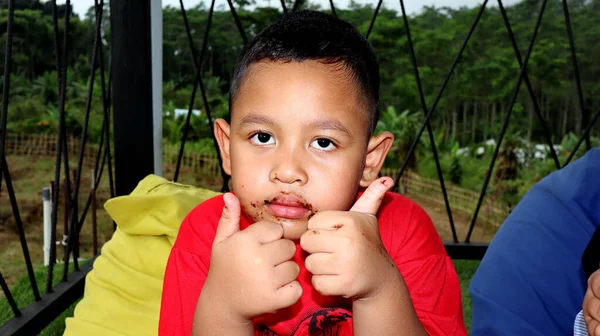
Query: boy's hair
{"points": [[311, 35]]}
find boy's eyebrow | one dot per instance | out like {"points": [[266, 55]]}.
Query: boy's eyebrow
{"points": [[322, 124], [256, 119], [330, 124]]}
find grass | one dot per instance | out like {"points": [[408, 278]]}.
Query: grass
{"points": [[23, 296], [465, 270]]}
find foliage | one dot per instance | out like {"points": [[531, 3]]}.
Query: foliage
{"points": [[471, 109]]}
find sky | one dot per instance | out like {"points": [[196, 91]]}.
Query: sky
{"points": [[412, 6]]}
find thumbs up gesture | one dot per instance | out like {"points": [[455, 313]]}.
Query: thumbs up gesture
{"points": [[250, 271], [347, 257]]}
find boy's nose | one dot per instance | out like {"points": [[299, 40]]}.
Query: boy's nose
{"points": [[289, 169]]}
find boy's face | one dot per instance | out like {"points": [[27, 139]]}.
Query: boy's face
{"points": [[298, 143]]}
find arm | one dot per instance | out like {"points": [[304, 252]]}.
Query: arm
{"points": [[184, 291], [212, 318], [530, 280], [349, 258], [427, 271], [250, 274], [391, 309]]}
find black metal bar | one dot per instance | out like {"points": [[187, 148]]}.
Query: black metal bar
{"points": [[62, 105], [89, 200], [238, 23], [20, 229], [197, 82], [536, 106], [284, 7], [441, 91], [333, 11], [9, 297], [513, 100], [132, 94], [375, 13], [62, 145], [466, 251], [99, 169], [6, 87], [586, 133], [73, 241], [429, 129], [100, 145], [40, 314], [297, 5], [584, 110], [107, 101]]}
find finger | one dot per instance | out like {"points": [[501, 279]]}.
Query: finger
{"points": [[279, 251], [370, 200], [323, 264], [265, 232], [593, 327], [229, 223], [331, 220], [287, 295], [286, 273], [591, 306], [319, 240], [328, 285], [594, 283]]}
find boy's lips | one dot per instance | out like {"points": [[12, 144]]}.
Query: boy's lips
{"points": [[288, 206]]}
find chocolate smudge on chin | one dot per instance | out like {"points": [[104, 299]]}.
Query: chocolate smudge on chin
{"points": [[339, 226]]}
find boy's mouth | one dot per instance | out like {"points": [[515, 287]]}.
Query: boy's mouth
{"points": [[288, 206]]}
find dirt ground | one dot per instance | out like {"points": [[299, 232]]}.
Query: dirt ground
{"points": [[482, 233]]}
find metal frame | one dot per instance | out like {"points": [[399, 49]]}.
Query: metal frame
{"points": [[132, 92], [41, 313]]}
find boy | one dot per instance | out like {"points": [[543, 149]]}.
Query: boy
{"points": [[302, 248]]}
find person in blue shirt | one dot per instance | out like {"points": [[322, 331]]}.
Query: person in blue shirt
{"points": [[531, 280]]}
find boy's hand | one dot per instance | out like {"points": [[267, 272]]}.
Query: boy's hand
{"points": [[250, 270], [347, 256], [591, 305]]}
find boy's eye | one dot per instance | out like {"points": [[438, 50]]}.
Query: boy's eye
{"points": [[323, 144], [262, 139]]}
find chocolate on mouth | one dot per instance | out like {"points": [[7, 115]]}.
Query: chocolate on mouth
{"points": [[288, 206]]}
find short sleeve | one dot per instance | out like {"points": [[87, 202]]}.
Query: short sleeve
{"points": [[187, 268], [419, 253]]}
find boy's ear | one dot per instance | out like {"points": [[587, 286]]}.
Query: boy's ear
{"points": [[377, 150], [222, 134]]}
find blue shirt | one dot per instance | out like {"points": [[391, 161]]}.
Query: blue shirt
{"points": [[531, 280]]}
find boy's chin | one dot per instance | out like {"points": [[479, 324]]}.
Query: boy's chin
{"points": [[293, 229]]}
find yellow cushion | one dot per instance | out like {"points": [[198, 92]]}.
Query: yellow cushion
{"points": [[123, 291]]}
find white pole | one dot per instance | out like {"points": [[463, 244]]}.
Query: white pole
{"points": [[47, 224], [156, 23]]}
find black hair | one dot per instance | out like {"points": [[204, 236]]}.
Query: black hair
{"points": [[312, 35]]}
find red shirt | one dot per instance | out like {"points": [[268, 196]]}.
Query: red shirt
{"points": [[407, 233]]}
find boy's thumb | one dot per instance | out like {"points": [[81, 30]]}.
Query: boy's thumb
{"points": [[371, 199], [229, 223]]}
